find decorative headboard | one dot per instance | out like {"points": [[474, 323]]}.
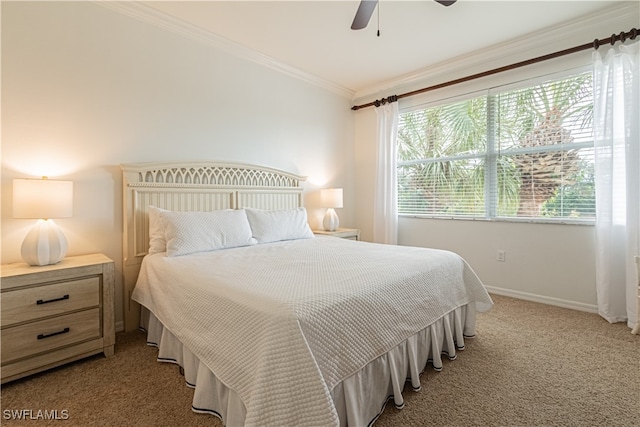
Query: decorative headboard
{"points": [[192, 186]]}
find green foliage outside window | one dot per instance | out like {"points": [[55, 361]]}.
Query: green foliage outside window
{"points": [[526, 153]]}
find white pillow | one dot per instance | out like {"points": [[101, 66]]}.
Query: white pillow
{"points": [[157, 241], [190, 232], [274, 226]]}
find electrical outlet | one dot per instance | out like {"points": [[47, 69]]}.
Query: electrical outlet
{"points": [[500, 256]]}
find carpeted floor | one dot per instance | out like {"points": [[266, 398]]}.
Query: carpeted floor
{"points": [[530, 365]]}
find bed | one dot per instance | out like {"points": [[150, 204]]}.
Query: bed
{"points": [[270, 324]]}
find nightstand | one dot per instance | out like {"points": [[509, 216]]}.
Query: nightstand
{"points": [[345, 233], [55, 314]]}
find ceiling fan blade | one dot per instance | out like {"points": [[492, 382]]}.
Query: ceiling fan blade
{"points": [[446, 2], [363, 14]]}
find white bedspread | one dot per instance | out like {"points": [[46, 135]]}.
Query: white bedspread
{"points": [[283, 323]]}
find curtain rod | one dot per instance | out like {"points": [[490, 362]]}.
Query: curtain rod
{"points": [[595, 45]]}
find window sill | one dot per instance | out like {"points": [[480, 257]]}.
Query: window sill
{"points": [[511, 220]]}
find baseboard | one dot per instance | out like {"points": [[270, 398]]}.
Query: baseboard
{"points": [[580, 306]]}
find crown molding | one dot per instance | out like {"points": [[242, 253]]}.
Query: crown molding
{"points": [[561, 36], [162, 20]]}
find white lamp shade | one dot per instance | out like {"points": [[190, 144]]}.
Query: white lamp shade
{"points": [[42, 198], [331, 197]]}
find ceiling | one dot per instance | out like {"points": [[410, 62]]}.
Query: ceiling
{"points": [[315, 36]]}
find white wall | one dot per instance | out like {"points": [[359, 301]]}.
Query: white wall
{"points": [[544, 262], [547, 263], [85, 89]]}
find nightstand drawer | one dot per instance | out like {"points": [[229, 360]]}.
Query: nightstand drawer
{"points": [[42, 301], [45, 335]]}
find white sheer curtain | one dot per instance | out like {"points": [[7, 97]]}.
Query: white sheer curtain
{"points": [[617, 173], [385, 212]]}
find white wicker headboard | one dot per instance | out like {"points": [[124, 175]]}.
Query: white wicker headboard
{"points": [[192, 186]]}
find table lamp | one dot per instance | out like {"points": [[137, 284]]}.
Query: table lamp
{"points": [[331, 198], [43, 199]]}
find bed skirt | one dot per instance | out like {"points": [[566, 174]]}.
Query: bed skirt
{"points": [[359, 399]]}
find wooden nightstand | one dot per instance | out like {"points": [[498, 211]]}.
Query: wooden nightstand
{"points": [[345, 233], [55, 314]]}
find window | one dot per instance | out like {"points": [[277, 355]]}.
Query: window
{"points": [[525, 153]]}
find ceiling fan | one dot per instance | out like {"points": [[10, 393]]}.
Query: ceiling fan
{"points": [[366, 8]]}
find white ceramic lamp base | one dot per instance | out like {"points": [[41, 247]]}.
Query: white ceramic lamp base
{"points": [[45, 244], [330, 221]]}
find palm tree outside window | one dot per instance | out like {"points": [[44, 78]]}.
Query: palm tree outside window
{"points": [[519, 154]]}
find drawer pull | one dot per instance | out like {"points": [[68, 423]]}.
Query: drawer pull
{"points": [[43, 336], [40, 301]]}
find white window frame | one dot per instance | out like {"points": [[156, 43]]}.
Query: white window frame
{"points": [[491, 154]]}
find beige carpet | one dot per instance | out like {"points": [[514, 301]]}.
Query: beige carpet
{"points": [[530, 365]]}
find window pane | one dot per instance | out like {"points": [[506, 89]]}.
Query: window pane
{"points": [[552, 184], [552, 113], [545, 140], [447, 130], [449, 188], [453, 139]]}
